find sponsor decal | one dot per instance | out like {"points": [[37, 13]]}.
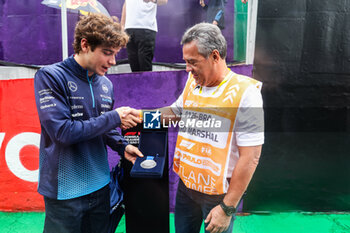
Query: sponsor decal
{"points": [[203, 183], [106, 98], [72, 86], [76, 97], [132, 138], [46, 99], [106, 106], [105, 88], [78, 114], [45, 92], [47, 106], [206, 150], [187, 144], [196, 161], [76, 107]]}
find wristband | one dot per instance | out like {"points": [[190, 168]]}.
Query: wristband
{"points": [[141, 114]]}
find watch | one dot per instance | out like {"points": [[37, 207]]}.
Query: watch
{"points": [[229, 210]]}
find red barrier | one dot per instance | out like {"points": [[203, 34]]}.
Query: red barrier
{"points": [[19, 147]]}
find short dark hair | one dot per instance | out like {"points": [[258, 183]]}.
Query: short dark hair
{"points": [[99, 29]]}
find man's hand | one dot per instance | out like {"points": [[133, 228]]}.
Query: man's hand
{"points": [[129, 117], [244, 1], [218, 220], [215, 22], [201, 2], [131, 153]]}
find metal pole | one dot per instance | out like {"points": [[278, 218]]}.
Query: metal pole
{"points": [[64, 30], [251, 31]]}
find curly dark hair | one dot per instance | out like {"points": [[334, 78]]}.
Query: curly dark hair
{"points": [[99, 29]]}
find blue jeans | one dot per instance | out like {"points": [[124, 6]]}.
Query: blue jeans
{"points": [[192, 208], [89, 213]]}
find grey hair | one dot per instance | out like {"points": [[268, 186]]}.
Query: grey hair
{"points": [[208, 37]]}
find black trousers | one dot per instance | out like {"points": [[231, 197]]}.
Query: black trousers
{"points": [[193, 207], [85, 214], [141, 49]]}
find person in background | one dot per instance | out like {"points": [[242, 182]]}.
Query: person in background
{"points": [[216, 11], [140, 22], [75, 101]]}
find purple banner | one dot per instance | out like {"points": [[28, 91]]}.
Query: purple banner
{"points": [[151, 90], [31, 32]]}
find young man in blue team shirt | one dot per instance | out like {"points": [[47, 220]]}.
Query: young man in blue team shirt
{"points": [[75, 105]]}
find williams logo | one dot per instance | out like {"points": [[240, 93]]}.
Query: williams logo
{"points": [[105, 88], [72, 86], [151, 120]]}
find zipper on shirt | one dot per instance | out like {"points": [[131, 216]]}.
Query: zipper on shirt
{"points": [[92, 92]]}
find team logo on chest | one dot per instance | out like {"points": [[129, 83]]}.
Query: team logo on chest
{"points": [[104, 88], [72, 86]]}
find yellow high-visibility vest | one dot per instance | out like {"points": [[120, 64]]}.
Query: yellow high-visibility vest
{"points": [[203, 145]]}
